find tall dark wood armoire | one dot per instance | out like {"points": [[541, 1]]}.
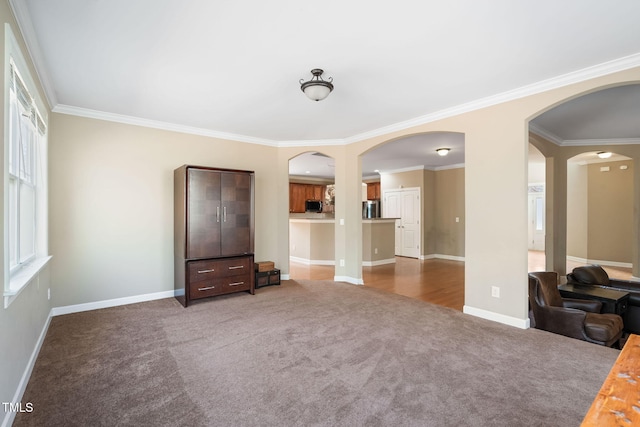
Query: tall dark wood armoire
{"points": [[213, 230]]}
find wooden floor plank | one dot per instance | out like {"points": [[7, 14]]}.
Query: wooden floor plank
{"points": [[437, 281]]}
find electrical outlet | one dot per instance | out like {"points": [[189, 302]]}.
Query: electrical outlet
{"points": [[375, 251], [495, 292], [48, 293], [341, 263]]}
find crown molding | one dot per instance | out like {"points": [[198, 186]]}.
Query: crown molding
{"points": [[444, 168], [22, 16], [542, 132], [610, 141], [588, 73], [25, 25], [312, 143], [408, 169], [155, 124]]}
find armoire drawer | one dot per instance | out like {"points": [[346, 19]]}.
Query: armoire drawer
{"points": [[203, 270], [203, 289], [236, 283], [235, 267]]}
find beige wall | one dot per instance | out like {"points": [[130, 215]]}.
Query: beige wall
{"points": [[577, 211], [111, 204], [430, 233], [610, 212], [442, 201], [300, 239], [378, 235], [312, 241], [22, 323], [449, 205]]}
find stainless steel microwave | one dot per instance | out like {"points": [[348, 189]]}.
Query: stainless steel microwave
{"points": [[313, 206]]}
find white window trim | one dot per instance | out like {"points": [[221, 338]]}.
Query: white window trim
{"points": [[16, 283]]}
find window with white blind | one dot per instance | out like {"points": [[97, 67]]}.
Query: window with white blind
{"points": [[25, 184], [26, 132]]}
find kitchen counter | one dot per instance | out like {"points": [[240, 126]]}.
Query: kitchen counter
{"points": [[312, 240]]}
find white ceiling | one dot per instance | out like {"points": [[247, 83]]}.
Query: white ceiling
{"points": [[232, 68]]}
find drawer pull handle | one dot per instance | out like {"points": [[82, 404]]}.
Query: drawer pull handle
{"points": [[205, 271], [236, 284], [235, 267], [208, 288]]}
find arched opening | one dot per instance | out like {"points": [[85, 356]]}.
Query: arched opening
{"points": [[420, 194], [591, 199], [311, 216]]}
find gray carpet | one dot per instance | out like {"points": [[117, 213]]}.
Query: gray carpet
{"points": [[307, 354]]}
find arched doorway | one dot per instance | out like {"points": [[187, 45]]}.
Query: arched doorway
{"points": [[571, 134], [311, 216], [413, 177]]}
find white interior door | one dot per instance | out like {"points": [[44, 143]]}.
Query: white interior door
{"points": [[405, 205], [411, 223], [536, 222]]}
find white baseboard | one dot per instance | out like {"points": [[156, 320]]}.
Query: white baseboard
{"points": [[600, 262], [379, 262], [497, 317], [285, 277], [77, 308], [9, 416], [306, 261], [441, 256], [348, 279]]}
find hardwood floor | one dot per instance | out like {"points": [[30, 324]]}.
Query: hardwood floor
{"points": [[537, 263], [436, 281]]}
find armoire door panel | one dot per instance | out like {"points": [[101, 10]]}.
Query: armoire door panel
{"points": [[236, 217], [204, 212]]}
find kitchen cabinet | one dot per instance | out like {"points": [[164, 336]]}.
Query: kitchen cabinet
{"points": [[373, 191], [297, 197], [214, 235], [299, 193], [314, 192]]}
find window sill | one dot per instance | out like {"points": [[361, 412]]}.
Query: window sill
{"points": [[21, 279]]}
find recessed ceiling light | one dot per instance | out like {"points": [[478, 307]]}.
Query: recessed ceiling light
{"points": [[307, 172], [604, 154], [443, 151]]}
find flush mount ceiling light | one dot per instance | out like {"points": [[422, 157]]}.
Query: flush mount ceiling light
{"points": [[604, 154], [317, 89], [443, 151]]}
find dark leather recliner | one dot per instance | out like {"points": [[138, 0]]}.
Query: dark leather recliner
{"points": [[594, 275], [573, 318]]}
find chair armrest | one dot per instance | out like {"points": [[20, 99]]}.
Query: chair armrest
{"points": [[589, 305], [564, 321]]}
